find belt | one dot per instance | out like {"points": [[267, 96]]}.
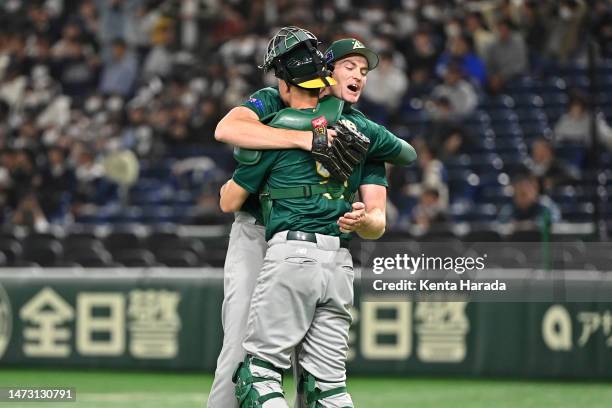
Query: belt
{"points": [[311, 237]]}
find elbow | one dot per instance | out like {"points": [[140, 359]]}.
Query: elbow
{"points": [[378, 233], [227, 207], [373, 233], [221, 133], [406, 156]]}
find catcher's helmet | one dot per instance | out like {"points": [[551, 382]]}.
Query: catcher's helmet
{"points": [[293, 55]]}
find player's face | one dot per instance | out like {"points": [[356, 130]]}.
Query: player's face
{"points": [[351, 74]]}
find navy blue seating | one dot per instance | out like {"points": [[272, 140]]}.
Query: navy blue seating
{"points": [[572, 153], [582, 212]]}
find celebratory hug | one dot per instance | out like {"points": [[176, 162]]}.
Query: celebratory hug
{"points": [[304, 154]]}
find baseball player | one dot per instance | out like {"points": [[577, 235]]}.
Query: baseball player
{"points": [[301, 204], [242, 127]]}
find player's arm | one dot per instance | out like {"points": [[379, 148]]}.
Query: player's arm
{"points": [[374, 197], [368, 218], [388, 147], [247, 179], [241, 127], [232, 196]]}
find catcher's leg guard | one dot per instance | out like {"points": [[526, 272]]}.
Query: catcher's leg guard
{"points": [[257, 381], [324, 394]]}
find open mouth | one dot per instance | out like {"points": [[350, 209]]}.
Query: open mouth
{"points": [[353, 88]]}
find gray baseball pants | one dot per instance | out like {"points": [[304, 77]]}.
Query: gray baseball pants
{"points": [[243, 262], [302, 296]]}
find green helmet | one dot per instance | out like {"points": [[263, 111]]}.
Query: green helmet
{"points": [[293, 55]]}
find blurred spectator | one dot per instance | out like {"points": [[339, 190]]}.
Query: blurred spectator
{"points": [[549, 170], [506, 57], [422, 52], [137, 134], [602, 27], [429, 212], [529, 209], [28, 214], [161, 57], [432, 175], [178, 66], [460, 52], [120, 71], [117, 17], [57, 184], [566, 30], [204, 121], [386, 85], [76, 65], [445, 135], [532, 20], [420, 86], [574, 126], [23, 175], [91, 187], [481, 35], [459, 92], [13, 84]]}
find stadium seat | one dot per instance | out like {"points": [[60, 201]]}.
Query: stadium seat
{"points": [[90, 257], [572, 153], [497, 102], [171, 240], [528, 100], [482, 235], [489, 163], [216, 248], [75, 242], [177, 258], [12, 250], [525, 236], [134, 257], [509, 257], [44, 253], [122, 240]]}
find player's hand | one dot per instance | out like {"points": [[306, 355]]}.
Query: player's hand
{"points": [[351, 221], [331, 134]]}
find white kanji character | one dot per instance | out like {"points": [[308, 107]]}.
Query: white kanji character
{"points": [[154, 323], [47, 311], [441, 328]]}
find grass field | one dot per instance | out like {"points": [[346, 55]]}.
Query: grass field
{"points": [[107, 389]]}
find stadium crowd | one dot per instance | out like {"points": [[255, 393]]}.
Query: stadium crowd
{"points": [[494, 95]]}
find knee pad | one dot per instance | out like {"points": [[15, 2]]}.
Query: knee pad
{"points": [[257, 381], [319, 394]]}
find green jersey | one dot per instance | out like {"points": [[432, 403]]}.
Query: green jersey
{"points": [[281, 169], [263, 102], [267, 101]]}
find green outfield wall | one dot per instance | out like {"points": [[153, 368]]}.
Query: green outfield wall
{"points": [[170, 319]]}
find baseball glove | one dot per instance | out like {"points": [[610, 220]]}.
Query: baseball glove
{"points": [[349, 146], [347, 149]]}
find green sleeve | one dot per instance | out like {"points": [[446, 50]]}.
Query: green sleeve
{"points": [[385, 146], [374, 173], [252, 177], [264, 102]]}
